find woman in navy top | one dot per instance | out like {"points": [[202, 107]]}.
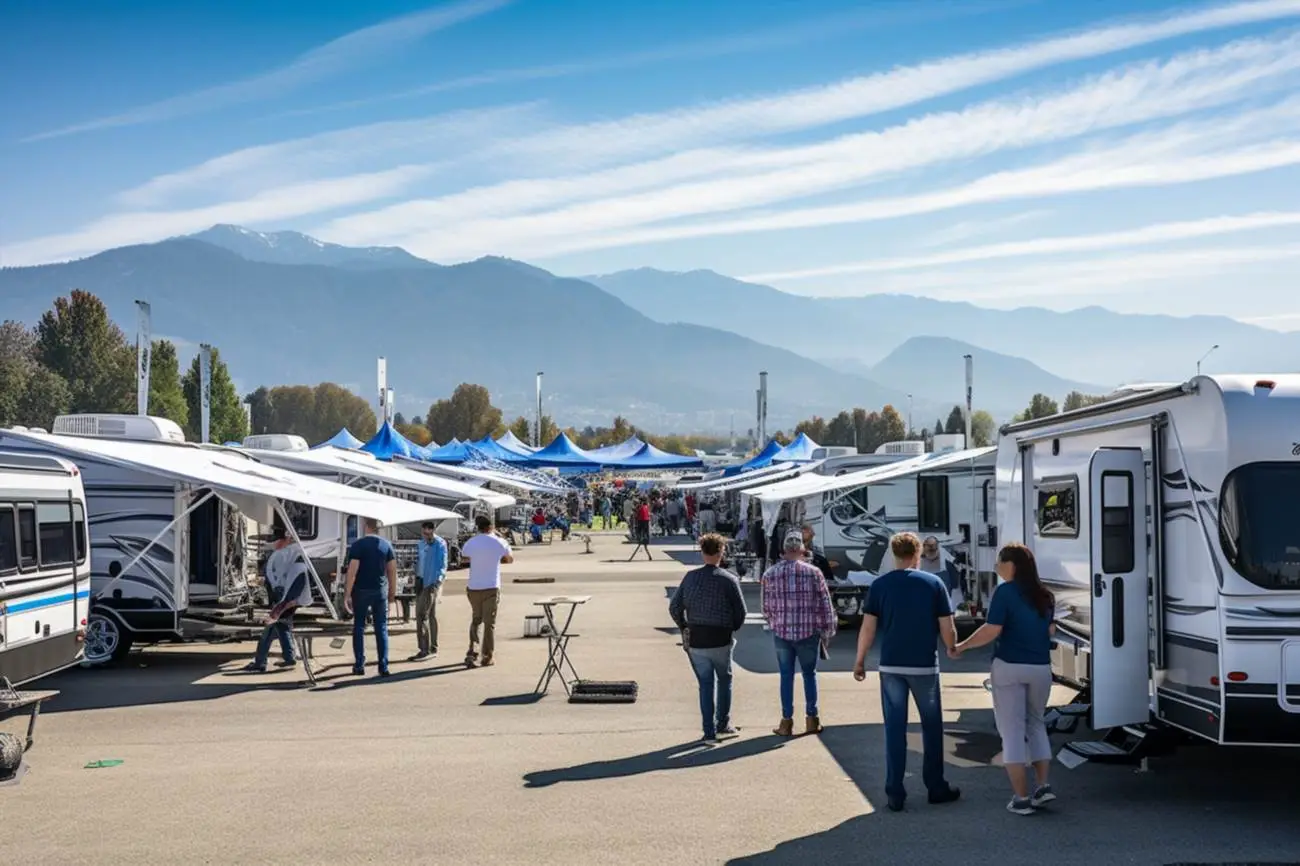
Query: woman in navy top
{"points": [[1019, 623]]}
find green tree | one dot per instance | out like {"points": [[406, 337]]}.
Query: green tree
{"points": [[982, 429], [893, 426], [166, 397], [468, 414], [399, 420], [226, 420], [45, 397], [260, 409], [293, 411], [937, 428], [956, 422], [78, 341], [336, 407], [417, 433], [839, 431], [523, 429], [1078, 400], [1040, 406]]}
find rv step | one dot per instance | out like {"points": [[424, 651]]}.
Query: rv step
{"points": [[1076, 709], [1092, 749]]}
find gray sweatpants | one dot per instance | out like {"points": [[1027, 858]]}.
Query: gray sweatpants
{"points": [[1020, 695]]}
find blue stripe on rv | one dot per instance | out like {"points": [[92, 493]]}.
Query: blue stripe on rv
{"points": [[19, 607]]}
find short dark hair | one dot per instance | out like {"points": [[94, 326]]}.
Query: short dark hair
{"points": [[372, 524], [428, 524], [483, 523], [711, 544]]}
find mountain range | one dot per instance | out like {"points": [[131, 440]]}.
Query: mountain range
{"points": [[670, 351]]}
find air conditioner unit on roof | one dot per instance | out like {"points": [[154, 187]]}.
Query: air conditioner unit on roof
{"points": [[144, 428], [276, 442]]}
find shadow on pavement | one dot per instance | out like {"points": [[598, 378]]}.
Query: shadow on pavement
{"points": [[347, 680], [513, 700], [679, 757]]}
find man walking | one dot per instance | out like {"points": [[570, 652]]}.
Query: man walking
{"points": [[371, 588], [288, 589], [485, 552], [708, 607], [912, 612], [798, 609], [430, 572]]}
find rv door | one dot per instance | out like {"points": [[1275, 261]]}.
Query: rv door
{"points": [[1120, 679]]}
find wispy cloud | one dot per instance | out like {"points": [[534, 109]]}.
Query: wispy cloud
{"points": [[1163, 233], [967, 229], [327, 60]]}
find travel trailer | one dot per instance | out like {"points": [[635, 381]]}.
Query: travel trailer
{"points": [[1167, 523], [44, 566], [166, 521]]}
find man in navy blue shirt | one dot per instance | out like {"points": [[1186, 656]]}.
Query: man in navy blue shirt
{"points": [[371, 588], [912, 612]]}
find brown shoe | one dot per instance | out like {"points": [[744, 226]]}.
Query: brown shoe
{"points": [[785, 729], [812, 725]]}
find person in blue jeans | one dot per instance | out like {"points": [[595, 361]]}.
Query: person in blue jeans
{"points": [[288, 589], [911, 610], [371, 587], [709, 609], [797, 607]]}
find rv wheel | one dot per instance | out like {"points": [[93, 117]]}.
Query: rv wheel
{"points": [[106, 640]]}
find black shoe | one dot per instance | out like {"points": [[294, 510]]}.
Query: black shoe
{"points": [[896, 804], [254, 668], [358, 672], [286, 663], [951, 795], [385, 673]]}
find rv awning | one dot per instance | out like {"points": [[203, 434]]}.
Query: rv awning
{"points": [[249, 485], [482, 476], [366, 465], [749, 479], [808, 485]]}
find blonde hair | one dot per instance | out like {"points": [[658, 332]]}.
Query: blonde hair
{"points": [[905, 546]]}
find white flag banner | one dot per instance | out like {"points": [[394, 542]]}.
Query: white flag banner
{"points": [[143, 356], [205, 391], [383, 388], [392, 402]]}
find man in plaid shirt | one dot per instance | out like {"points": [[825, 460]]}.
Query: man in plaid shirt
{"points": [[798, 609]]}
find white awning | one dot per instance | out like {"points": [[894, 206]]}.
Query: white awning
{"points": [[238, 478], [346, 462], [758, 476], [808, 485], [482, 476]]}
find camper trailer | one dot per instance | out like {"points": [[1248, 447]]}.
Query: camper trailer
{"points": [[44, 567], [1166, 523], [167, 520]]}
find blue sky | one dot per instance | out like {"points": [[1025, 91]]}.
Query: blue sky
{"points": [[1141, 156]]}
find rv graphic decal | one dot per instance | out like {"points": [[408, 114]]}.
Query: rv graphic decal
{"points": [[118, 550], [1187, 509], [1263, 613], [1176, 606]]}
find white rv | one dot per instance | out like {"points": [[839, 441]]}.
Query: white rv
{"points": [[44, 567], [1167, 523], [165, 521]]}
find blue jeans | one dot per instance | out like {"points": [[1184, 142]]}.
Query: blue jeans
{"points": [[924, 688], [373, 604], [805, 652], [712, 668], [283, 629]]}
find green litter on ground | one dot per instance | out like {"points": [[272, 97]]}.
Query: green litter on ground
{"points": [[99, 765]]}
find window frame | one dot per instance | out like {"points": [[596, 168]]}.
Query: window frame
{"points": [[33, 564], [12, 509], [42, 565], [1130, 552], [1052, 483], [1229, 482], [945, 527]]}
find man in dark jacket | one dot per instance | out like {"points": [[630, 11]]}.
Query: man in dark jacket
{"points": [[709, 608]]}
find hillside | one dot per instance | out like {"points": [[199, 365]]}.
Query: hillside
{"points": [[492, 321], [1003, 385], [295, 248], [1090, 344]]}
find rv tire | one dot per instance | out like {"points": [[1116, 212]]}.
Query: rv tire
{"points": [[107, 641]]}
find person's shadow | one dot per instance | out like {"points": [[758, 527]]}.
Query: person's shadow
{"points": [[679, 757]]}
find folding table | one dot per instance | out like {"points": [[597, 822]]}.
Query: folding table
{"points": [[557, 639]]}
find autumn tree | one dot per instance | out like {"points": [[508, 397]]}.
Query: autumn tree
{"points": [[467, 415], [983, 429], [226, 419], [1078, 400], [892, 425], [77, 341], [166, 396], [1040, 406], [814, 428]]}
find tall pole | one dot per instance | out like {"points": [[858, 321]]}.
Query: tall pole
{"points": [[143, 356], [1203, 357], [762, 404], [537, 429], [205, 392], [970, 379], [382, 370], [909, 417]]}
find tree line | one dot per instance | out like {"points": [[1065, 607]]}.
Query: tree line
{"points": [[1042, 406], [868, 430]]}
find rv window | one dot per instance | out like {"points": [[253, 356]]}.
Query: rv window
{"points": [[79, 530], [304, 519], [1259, 523], [26, 536], [8, 540], [1058, 508], [54, 520], [1117, 541], [932, 504], [985, 490]]}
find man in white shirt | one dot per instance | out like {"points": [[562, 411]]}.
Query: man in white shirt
{"points": [[288, 588], [486, 552]]}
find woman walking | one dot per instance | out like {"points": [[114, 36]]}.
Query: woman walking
{"points": [[1020, 621]]}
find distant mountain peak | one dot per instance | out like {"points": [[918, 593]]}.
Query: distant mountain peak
{"points": [[296, 248]]}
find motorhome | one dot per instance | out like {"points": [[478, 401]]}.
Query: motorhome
{"points": [[1166, 522], [166, 519], [44, 566]]}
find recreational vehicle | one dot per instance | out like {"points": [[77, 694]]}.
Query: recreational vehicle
{"points": [[44, 568], [1167, 523], [166, 520]]}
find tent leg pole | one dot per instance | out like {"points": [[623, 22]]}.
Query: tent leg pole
{"points": [[311, 566]]}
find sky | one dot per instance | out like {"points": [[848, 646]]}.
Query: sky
{"points": [[1141, 156]]}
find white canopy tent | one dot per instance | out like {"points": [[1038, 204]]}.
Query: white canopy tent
{"points": [[482, 476], [358, 463], [256, 489]]}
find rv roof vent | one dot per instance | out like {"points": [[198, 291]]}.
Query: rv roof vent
{"points": [[912, 446], [276, 442], [826, 452], [139, 427], [1266, 384], [947, 442]]}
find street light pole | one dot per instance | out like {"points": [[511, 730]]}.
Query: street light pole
{"points": [[909, 417], [537, 430], [1203, 357]]}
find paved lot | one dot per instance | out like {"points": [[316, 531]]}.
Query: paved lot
{"points": [[445, 765]]}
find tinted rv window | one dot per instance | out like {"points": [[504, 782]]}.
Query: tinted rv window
{"points": [[1117, 539], [304, 519], [26, 536], [1259, 523], [79, 530], [8, 539], [54, 520], [1058, 507], [932, 504]]}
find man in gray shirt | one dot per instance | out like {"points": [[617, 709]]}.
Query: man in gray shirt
{"points": [[708, 607]]}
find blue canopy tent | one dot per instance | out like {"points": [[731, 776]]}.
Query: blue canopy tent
{"points": [[388, 442], [798, 451], [761, 460], [454, 451], [563, 454], [489, 447], [511, 442], [341, 439], [614, 453], [650, 457]]}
